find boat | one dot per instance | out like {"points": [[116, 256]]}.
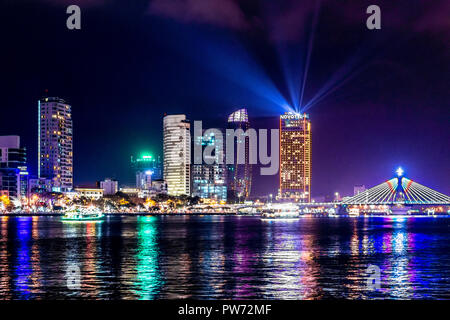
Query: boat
{"points": [[353, 212], [83, 214], [280, 211]]}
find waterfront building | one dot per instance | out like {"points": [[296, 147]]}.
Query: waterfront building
{"points": [[295, 157], [131, 192], [144, 180], [239, 176], [90, 193], [55, 145], [39, 185], [109, 187], [159, 186], [177, 154], [209, 177], [13, 167]]}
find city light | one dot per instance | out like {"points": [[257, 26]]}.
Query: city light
{"points": [[145, 157]]}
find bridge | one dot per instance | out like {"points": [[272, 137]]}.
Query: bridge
{"points": [[392, 195], [398, 191], [398, 195]]}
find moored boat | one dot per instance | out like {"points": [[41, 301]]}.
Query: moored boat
{"points": [[83, 214], [280, 211]]}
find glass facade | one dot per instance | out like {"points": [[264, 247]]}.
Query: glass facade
{"points": [[209, 180], [13, 167], [146, 168], [239, 176]]}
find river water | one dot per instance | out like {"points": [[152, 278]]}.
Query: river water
{"points": [[224, 257]]}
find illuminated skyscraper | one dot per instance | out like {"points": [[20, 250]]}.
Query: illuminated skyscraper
{"points": [[209, 180], [295, 157], [55, 145], [239, 176], [177, 154]]}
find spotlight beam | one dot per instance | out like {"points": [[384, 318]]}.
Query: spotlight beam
{"points": [[310, 48]]}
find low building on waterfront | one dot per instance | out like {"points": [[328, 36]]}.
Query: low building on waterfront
{"points": [[90, 193], [109, 186], [131, 192], [13, 167], [159, 186], [39, 185]]}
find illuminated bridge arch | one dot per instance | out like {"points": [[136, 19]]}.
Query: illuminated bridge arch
{"points": [[399, 190]]}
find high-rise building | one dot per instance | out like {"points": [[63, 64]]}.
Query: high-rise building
{"points": [[177, 154], [55, 145], [13, 167], [295, 157], [239, 176], [209, 177], [147, 168]]}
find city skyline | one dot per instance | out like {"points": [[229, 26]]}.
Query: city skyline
{"points": [[224, 158], [293, 126], [374, 121]]}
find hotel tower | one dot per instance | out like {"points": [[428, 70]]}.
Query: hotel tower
{"points": [[295, 157], [177, 154], [55, 145]]}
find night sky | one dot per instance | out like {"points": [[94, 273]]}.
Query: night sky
{"points": [[377, 98]]}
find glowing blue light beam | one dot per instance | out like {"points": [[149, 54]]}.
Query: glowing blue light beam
{"points": [[227, 58], [310, 48], [289, 67]]}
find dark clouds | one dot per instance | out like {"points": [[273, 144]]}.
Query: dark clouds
{"points": [[284, 20], [222, 13], [81, 3]]}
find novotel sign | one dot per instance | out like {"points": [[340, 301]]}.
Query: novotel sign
{"points": [[290, 116]]}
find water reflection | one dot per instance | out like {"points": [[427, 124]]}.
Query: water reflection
{"points": [[148, 279], [290, 261], [224, 257], [22, 266]]}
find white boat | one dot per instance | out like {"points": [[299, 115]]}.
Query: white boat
{"points": [[353, 212], [280, 211], [83, 214]]}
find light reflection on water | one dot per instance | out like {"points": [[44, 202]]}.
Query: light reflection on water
{"points": [[224, 257]]}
